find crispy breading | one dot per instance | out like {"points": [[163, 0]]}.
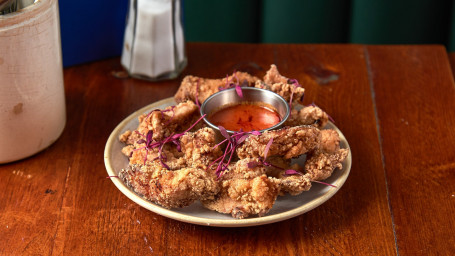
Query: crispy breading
{"points": [[170, 189], [273, 76], [330, 141], [309, 115], [193, 86], [169, 154], [198, 147], [293, 184], [288, 142], [244, 192], [281, 85], [321, 163], [173, 119]]}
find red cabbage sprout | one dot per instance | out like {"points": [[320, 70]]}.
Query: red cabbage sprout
{"points": [[150, 144], [233, 141], [162, 114], [231, 84], [296, 84]]}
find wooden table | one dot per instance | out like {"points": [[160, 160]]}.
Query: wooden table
{"points": [[395, 105]]}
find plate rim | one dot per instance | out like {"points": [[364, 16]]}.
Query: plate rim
{"points": [[113, 137]]}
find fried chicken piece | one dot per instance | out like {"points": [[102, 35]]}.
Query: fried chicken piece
{"points": [[293, 184], [125, 137], [288, 142], [198, 147], [273, 76], [309, 115], [196, 150], [281, 85], [276, 166], [173, 119], [193, 86], [244, 191], [321, 163], [330, 141], [170, 189], [170, 156], [162, 123], [285, 90]]}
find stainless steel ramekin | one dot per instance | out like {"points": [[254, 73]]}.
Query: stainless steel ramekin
{"points": [[250, 94]]}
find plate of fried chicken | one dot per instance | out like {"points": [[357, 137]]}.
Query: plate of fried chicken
{"points": [[166, 159]]}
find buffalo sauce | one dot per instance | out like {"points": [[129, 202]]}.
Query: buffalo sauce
{"points": [[245, 116]]}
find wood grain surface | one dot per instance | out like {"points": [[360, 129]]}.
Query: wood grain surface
{"points": [[394, 104]]}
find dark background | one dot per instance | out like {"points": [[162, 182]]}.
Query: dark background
{"points": [[93, 30]]}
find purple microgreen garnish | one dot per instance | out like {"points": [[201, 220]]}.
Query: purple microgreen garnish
{"points": [[172, 117], [150, 144], [242, 138], [149, 139], [255, 133], [224, 132], [236, 85], [177, 144], [238, 89], [291, 172], [267, 147], [228, 84], [296, 84], [162, 158], [323, 183], [253, 164], [290, 98], [262, 160], [191, 127], [217, 145], [150, 113], [162, 114], [233, 141]]}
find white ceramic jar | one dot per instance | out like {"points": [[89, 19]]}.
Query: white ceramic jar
{"points": [[32, 100]]}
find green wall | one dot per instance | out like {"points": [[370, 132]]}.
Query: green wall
{"points": [[321, 21]]}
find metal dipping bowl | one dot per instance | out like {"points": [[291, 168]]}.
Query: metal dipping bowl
{"points": [[250, 94]]}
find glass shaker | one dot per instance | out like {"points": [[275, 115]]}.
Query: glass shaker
{"points": [[154, 45]]}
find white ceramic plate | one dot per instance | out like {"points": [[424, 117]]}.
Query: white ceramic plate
{"points": [[285, 207]]}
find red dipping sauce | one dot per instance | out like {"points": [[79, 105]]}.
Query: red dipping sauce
{"points": [[245, 116]]}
